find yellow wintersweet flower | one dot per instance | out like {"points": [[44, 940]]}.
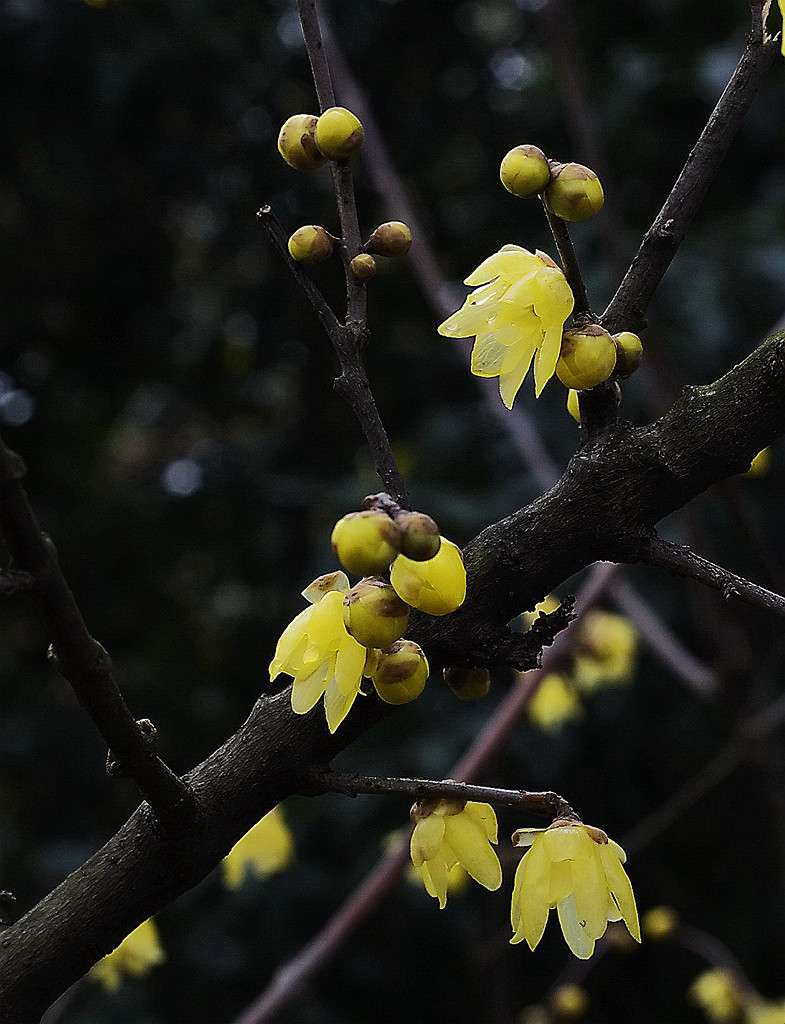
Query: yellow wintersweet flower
{"points": [[717, 994], [450, 832], [760, 1011], [578, 870], [137, 954], [553, 703], [436, 586], [516, 314], [266, 848], [605, 650], [317, 651]]}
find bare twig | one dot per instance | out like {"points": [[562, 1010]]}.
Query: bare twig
{"points": [[569, 261], [548, 804], [80, 659], [627, 308], [681, 560]]}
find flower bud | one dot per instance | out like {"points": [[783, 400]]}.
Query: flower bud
{"points": [[374, 614], [575, 192], [363, 267], [573, 408], [629, 349], [402, 672], [569, 1002], [420, 539], [339, 133], [525, 171], [468, 683], [660, 924], [297, 143], [366, 542], [588, 356], [391, 239], [437, 586], [310, 244]]}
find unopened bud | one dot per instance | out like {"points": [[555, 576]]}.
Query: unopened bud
{"points": [[468, 683], [363, 267], [629, 350], [588, 356], [420, 538], [339, 133], [574, 193], [525, 171], [297, 143], [402, 671], [366, 542], [391, 239], [374, 614], [310, 244]]}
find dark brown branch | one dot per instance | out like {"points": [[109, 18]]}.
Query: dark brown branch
{"points": [[80, 659], [569, 261], [627, 309], [680, 560], [548, 804]]}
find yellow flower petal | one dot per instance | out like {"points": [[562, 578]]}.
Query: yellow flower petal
{"points": [[337, 705], [574, 933], [427, 839], [485, 817], [473, 850], [291, 644], [530, 896], [510, 261], [266, 848], [621, 890], [349, 665], [487, 356], [307, 691]]}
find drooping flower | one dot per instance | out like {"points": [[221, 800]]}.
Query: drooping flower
{"points": [[136, 955], [554, 703], [605, 650], [451, 832], [516, 314], [318, 652], [264, 849], [436, 586], [578, 870]]}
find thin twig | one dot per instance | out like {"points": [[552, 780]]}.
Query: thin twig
{"points": [[627, 308], [681, 560], [572, 271], [80, 659], [548, 804]]}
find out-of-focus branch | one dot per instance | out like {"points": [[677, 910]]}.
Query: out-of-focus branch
{"points": [[80, 659], [681, 560], [627, 309]]}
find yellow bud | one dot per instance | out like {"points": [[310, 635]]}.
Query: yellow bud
{"points": [[569, 1002], [310, 244], [575, 192], [366, 542], [468, 683], [374, 614], [391, 239], [297, 143], [420, 539], [339, 133], [588, 356], [363, 267], [629, 350], [402, 672], [437, 586], [525, 171], [573, 408], [659, 924]]}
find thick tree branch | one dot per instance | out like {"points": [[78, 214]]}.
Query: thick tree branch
{"points": [[80, 659], [681, 560], [627, 309]]}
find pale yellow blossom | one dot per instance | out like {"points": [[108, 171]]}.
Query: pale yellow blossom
{"points": [[136, 955], [718, 995], [578, 870], [554, 703], [450, 833], [516, 314], [436, 586], [264, 849], [606, 648], [318, 652]]}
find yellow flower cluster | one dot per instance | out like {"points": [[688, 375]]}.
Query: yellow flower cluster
{"points": [[516, 314], [136, 955], [266, 848], [605, 654]]}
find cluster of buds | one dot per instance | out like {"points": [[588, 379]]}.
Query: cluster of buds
{"points": [[589, 355], [405, 563], [307, 142], [570, 191]]}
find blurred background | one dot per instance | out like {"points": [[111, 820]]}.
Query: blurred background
{"points": [[170, 391]]}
